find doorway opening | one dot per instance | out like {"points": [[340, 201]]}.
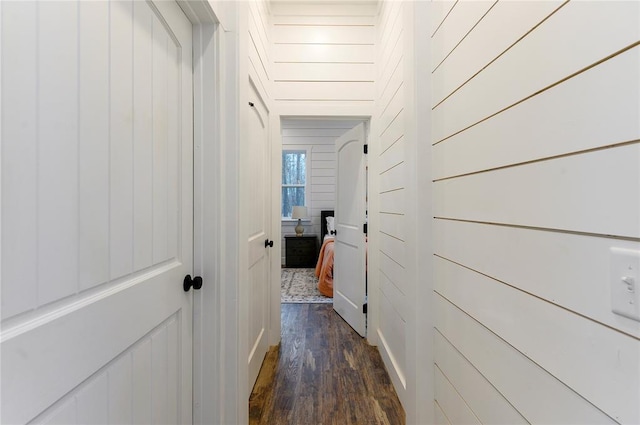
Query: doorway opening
{"points": [[310, 194]]}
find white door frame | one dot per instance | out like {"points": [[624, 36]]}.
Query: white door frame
{"points": [[217, 366], [324, 112]]}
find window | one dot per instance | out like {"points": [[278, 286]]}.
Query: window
{"points": [[294, 180]]}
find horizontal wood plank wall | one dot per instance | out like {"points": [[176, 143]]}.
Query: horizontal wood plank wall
{"points": [[323, 53], [260, 66], [536, 165], [318, 137], [392, 178]]}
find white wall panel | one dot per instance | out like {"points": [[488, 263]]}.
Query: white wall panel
{"points": [[324, 172], [543, 334], [394, 270], [309, 9], [323, 165], [440, 417], [390, 113], [311, 132], [558, 265], [323, 90], [393, 155], [536, 176], [493, 35], [260, 66], [593, 192], [536, 394], [393, 224], [393, 247], [606, 93], [319, 53], [324, 19], [515, 76], [459, 23], [310, 34], [392, 178], [260, 33], [484, 399], [389, 35], [393, 202], [452, 404], [393, 82], [324, 71], [323, 53], [392, 134], [394, 342], [440, 9], [257, 64], [260, 48], [324, 181], [395, 296]]}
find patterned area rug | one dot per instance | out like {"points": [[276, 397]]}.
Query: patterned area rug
{"points": [[301, 286]]}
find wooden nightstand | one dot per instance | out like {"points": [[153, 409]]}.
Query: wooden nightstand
{"points": [[301, 251]]}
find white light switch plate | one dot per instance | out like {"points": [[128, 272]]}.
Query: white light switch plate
{"points": [[624, 277]]}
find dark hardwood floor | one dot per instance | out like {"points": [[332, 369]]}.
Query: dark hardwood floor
{"points": [[324, 373]]}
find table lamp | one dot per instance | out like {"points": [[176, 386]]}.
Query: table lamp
{"points": [[299, 212]]}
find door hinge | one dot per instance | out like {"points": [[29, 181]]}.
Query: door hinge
{"points": [[364, 228], [366, 149], [364, 308]]}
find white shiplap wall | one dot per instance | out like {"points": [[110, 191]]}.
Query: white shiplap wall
{"points": [[391, 207], [318, 137], [323, 53], [260, 67], [536, 159]]}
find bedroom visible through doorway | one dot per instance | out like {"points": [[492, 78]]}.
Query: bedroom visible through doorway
{"points": [[309, 178]]}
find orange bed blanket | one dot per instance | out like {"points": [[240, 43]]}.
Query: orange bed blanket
{"points": [[324, 268]]}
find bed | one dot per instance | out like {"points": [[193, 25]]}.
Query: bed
{"points": [[324, 267]]}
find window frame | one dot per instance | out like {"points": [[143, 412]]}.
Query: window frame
{"points": [[307, 186]]}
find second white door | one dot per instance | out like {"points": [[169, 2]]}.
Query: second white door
{"points": [[349, 284], [258, 214]]}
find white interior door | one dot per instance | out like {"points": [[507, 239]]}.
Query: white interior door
{"points": [[349, 270], [97, 204], [258, 203]]}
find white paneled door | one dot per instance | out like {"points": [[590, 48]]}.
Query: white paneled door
{"points": [[349, 271], [97, 188], [259, 244]]}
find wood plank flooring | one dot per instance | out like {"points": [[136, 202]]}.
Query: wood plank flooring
{"points": [[324, 373]]}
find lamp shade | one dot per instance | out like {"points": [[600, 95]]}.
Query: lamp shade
{"points": [[299, 212]]}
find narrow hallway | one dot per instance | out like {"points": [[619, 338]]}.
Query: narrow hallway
{"points": [[322, 373]]}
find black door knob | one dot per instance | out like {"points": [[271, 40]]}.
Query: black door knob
{"points": [[196, 283], [268, 243]]}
